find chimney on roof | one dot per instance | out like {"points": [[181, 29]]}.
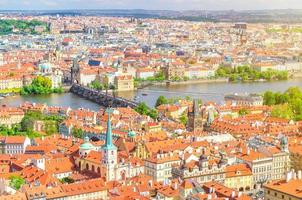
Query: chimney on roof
{"points": [[248, 151], [239, 194], [175, 185], [209, 197], [233, 194], [294, 175], [288, 176], [150, 183], [299, 175]]}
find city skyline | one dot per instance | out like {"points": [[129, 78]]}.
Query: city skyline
{"points": [[156, 4]]}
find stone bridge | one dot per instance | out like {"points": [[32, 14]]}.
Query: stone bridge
{"points": [[101, 98]]}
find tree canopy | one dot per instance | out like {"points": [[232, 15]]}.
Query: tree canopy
{"points": [[9, 26], [16, 182], [246, 73], [285, 105], [143, 109], [96, 84], [77, 132], [161, 100], [40, 85]]}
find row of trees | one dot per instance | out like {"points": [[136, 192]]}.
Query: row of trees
{"points": [[26, 127], [7, 26], [51, 122], [158, 77], [163, 100], [17, 130], [246, 73], [286, 105], [40, 85], [97, 85], [143, 109]]}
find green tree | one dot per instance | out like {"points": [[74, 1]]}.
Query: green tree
{"points": [[40, 85], [41, 81], [78, 133], [269, 98], [67, 180], [153, 113], [143, 109], [185, 78], [294, 93], [51, 127], [96, 84], [282, 111], [184, 119], [16, 182], [161, 100], [243, 112]]}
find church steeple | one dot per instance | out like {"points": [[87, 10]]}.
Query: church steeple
{"points": [[109, 152], [109, 145]]}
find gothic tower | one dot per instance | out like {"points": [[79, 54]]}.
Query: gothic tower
{"points": [[195, 120], [75, 71]]}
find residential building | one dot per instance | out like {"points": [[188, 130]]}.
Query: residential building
{"points": [[289, 188], [124, 83], [159, 167], [244, 100], [15, 144], [239, 177]]}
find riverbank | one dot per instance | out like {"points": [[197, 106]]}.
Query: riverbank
{"points": [[297, 75], [188, 82]]}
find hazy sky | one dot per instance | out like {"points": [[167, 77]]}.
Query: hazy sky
{"points": [[151, 4]]}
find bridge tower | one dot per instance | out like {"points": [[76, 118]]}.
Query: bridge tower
{"points": [[195, 119], [75, 71]]}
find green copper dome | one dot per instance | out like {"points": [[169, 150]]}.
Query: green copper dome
{"points": [[45, 66], [86, 145], [131, 134]]}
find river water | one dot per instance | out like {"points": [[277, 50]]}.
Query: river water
{"points": [[205, 91]]}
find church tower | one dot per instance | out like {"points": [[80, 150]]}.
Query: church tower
{"points": [[284, 144], [195, 120], [109, 151]]}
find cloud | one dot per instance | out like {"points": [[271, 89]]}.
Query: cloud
{"points": [[152, 4]]}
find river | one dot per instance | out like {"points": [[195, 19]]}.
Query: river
{"points": [[205, 91]]}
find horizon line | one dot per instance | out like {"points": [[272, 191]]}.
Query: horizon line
{"points": [[144, 9]]}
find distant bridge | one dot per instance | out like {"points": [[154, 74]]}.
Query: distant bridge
{"points": [[101, 98]]}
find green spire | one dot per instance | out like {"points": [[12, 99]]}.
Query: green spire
{"points": [[109, 145]]}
